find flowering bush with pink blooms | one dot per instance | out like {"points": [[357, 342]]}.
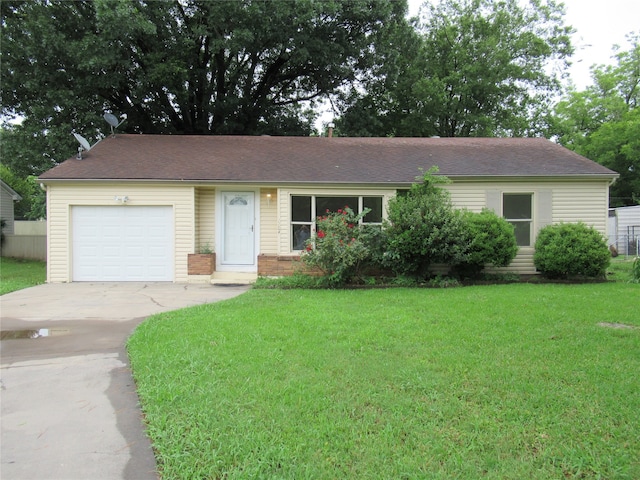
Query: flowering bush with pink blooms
{"points": [[340, 246]]}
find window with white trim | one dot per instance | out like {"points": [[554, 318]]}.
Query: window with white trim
{"points": [[306, 208], [517, 209]]}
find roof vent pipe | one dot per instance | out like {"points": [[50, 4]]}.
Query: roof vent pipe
{"points": [[331, 126]]}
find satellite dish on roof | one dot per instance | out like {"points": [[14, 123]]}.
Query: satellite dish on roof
{"points": [[84, 144], [112, 120], [82, 141]]}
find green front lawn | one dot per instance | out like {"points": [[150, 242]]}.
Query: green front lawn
{"points": [[16, 274], [510, 381]]}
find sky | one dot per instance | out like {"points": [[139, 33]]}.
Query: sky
{"points": [[599, 24]]}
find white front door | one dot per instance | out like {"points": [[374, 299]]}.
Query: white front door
{"points": [[239, 228]]}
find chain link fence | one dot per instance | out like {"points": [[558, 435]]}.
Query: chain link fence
{"points": [[624, 245]]}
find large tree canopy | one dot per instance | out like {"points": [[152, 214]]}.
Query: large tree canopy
{"points": [[603, 122], [178, 66], [484, 68]]}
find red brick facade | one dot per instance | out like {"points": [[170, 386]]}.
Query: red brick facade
{"points": [[201, 263], [280, 266]]}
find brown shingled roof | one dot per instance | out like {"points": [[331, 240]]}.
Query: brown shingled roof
{"points": [[319, 159]]}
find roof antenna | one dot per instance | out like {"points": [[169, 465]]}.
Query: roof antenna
{"points": [[113, 121]]}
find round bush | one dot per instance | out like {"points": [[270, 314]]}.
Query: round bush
{"points": [[569, 250], [491, 241]]}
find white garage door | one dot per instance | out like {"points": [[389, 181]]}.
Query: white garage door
{"points": [[122, 243]]}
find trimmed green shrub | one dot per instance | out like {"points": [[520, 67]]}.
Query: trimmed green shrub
{"points": [[491, 240], [568, 250], [424, 229]]}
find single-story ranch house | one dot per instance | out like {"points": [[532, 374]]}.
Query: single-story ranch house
{"points": [[136, 206]]}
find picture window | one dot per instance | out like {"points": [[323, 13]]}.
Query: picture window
{"points": [[306, 208]]}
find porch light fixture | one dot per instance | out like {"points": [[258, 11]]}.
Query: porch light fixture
{"points": [[268, 199]]}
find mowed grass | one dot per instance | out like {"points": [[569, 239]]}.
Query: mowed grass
{"points": [[16, 274], [510, 382]]}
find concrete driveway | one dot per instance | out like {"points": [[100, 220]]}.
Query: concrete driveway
{"points": [[69, 405]]}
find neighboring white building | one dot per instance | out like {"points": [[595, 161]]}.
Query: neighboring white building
{"points": [[624, 229]]}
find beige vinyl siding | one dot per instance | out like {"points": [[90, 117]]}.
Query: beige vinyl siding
{"points": [[473, 196], [61, 197], [269, 221], [196, 211], [568, 201], [469, 196], [58, 238], [522, 264], [283, 221], [571, 201], [205, 218], [586, 202]]}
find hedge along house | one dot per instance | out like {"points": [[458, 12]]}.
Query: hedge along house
{"points": [[136, 206]]}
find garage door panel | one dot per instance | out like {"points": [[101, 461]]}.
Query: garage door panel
{"points": [[87, 232], [135, 273], [111, 231], [122, 243], [111, 250], [134, 252], [110, 273], [156, 252]]}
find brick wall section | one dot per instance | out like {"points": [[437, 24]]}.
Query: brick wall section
{"points": [[201, 264], [281, 266]]}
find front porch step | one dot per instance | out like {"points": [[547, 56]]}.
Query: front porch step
{"points": [[238, 278]]}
